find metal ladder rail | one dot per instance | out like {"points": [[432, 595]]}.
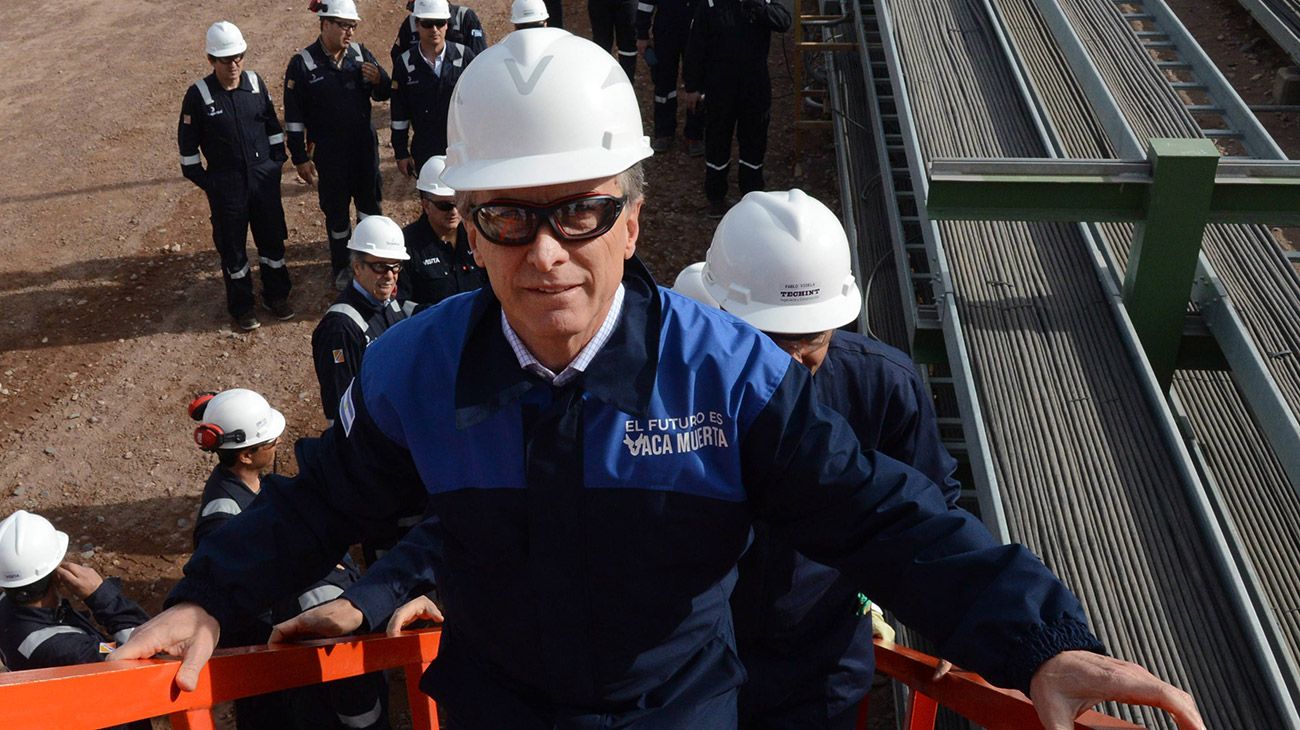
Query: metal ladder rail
{"points": [[1248, 366], [882, 67], [1177, 52], [1281, 22]]}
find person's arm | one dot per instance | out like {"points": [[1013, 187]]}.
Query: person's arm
{"points": [[475, 36], [274, 132], [380, 88], [401, 120], [645, 13], [337, 347], [911, 433], [774, 15], [695, 59], [114, 611], [187, 138], [404, 572]]}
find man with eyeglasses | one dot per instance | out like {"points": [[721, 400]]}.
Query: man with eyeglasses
{"points": [[362, 312], [229, 117], [328, 88], [441, 262], [780, 262], [592, 451], [244, 431], [463, 27], [424, 77]]}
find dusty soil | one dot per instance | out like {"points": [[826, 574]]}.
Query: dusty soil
{"points": [[111, 304]]}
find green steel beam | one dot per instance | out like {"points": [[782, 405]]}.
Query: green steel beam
{"points": [[1166, 244]]}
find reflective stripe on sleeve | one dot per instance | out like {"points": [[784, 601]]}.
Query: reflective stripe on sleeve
{"points": [[401, 126], [252, 82], [627, 53], [40, 636], [277, 138], [365, 719], [295, 127], [202, 86], [225, 505], [307, 60], [350, 312], [190, 159], [121, 636], [645, 7], [317, 596]]}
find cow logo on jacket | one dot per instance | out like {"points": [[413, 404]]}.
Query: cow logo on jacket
{"points": [[675, 435]]}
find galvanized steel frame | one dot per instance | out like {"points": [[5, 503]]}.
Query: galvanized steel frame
{"points": [[1282, 32]]}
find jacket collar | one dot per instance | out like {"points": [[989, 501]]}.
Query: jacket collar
{"points": [[622, 374]]}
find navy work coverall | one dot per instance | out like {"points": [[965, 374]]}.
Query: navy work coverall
{"points": [[668, 22], [807, 649], [421, 99], [241, 139], [589, 533], [339, 341], [329, 106], [354, 702], [613, 25], [437, 269], [463, 27], [726, 58]]}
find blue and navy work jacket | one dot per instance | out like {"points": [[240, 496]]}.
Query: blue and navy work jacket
{"points": [[235, 130], [329, 104], [589, 534], [799, 626]]}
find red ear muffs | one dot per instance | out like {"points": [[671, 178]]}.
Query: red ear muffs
{"points": [[209, 436], [199, 404], [314, 6]]}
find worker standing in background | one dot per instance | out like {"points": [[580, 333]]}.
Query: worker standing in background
{"points": [[441, 262], [229, 117], [529, 14], [613, 25], [662, 27], [423, 78], [463, 27], [328, 88]]}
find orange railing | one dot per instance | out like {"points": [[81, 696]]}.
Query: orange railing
{"points": [[95, 695]]}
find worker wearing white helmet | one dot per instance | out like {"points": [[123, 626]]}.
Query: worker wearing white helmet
{"points": [[592, 452], [244, 432], [228, 119], [528, 14], [328, 89], [463, 27], [363, 311], [424, 78], [441, 263], [780, 261], [39, 628]]}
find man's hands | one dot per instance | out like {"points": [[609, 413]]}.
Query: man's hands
{"points": [[414, 610], [1073, 681], [641, 45], [79, 580], [307, 172], [333, 618], [370, 72], [184, 630], [691, 99], [406, 166]]}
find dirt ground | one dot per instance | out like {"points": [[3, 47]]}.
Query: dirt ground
{"points": [[111, 305]]}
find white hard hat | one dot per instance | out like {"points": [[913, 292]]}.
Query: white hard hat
{"points": [[431, 10], [381, 237], [542, 107], [234, 419], [224, 39], [345, 9], [780, 261], [690, 283], [30, 549], [528, 11], [429, 174]]}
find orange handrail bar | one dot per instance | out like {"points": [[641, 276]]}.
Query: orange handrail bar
{"points": [[113, 693], [967, 694]]}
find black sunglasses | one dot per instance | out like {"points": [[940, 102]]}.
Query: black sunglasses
{"points": [[515, 223], [426, 24], [344, 25], [228, 60], [445, 206], [382, 268]]}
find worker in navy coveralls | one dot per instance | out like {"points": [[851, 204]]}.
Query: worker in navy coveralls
{"points": [[802, 633], [424, 77], [328, 87], [441, 263], [592, 450], [229, 117], [463, 27], [664, 26]]}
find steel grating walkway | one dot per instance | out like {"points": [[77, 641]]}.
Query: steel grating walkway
{"points": [[1084, 476]]}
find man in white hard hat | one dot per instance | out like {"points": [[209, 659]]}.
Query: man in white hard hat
{"points": [[526, 14], [244, 432], [328, 88], [363, 311], [38, 627], [780, 261], [423, 80], [463, 27], [441, 262], [229, 117], [592, 452]]}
